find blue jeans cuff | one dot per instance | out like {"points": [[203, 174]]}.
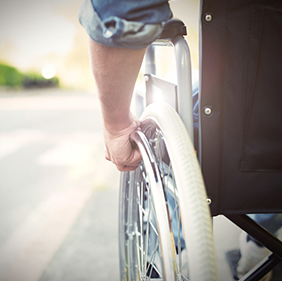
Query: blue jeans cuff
{"points": [[116, 32]]}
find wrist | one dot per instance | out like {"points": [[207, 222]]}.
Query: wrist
{"points": [[116, 125]]}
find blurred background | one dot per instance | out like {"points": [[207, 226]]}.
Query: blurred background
{"points": [[44, 38], [58, 196]]}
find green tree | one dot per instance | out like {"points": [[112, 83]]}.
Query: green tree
{"points": [[10, 76]]}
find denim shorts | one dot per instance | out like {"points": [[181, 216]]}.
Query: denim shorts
{"points": [[124, 23]]}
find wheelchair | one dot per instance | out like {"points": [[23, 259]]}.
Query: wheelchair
{"points": [[231, 166]]}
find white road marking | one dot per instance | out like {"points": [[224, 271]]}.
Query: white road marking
{"points": [[49, 103], [10, 142], [73, 151], [67, 154], [69, 150]]}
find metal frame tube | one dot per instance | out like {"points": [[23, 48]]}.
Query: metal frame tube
{"points": [[184, 83], [258, 233], [183, 74]]}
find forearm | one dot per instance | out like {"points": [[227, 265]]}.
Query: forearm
{"points": [[115, 71]]}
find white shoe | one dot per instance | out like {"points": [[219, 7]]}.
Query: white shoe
{"points": [[251, 255]]}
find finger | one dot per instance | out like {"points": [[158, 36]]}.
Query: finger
{"points": [[133, 144], [131, 165], [123, 168], [107, 156], [136, 158]]}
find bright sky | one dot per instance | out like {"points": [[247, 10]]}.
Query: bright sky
{"points": [[35, 27], [30, 24], [34, 33]]}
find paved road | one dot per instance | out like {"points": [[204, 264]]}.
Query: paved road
{"points": [[58, 196]]}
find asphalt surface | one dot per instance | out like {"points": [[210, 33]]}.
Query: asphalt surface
{"points": [[58, 196]]}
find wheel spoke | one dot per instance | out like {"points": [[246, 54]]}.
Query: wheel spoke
{"points": [[151, 264], [147, 232], [141, 213]]}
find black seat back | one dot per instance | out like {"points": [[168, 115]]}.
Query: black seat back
{"points": [[241, 105]]}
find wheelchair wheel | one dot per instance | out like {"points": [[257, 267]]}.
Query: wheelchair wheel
{"points": [[164, 221]]}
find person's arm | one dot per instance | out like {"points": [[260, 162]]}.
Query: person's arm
{"points": [[115, 71]]}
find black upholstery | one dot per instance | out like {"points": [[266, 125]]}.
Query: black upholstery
{"points": [[173, 28], [241, 64]]}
